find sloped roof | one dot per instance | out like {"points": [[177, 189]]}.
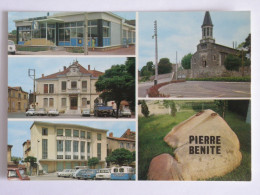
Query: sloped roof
{"points": [[207, 20], [121, 139], [17, 89], [94, 73]]}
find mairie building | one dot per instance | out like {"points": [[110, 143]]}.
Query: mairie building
{"points": [[68, 29], [69, 91], [59, 146]]}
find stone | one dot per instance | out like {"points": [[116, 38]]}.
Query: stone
{"points": [[164, 167], [205, 147]]}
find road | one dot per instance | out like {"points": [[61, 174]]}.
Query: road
{"points": [[142, 87], [22, 115], [207, 89]]}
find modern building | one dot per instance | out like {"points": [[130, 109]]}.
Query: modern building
{"points": [[70, 90], [208, 60], [68, 29], [127, 141], [17, 99], [59, 146]]}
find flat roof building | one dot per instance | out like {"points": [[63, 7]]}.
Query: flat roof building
{"points": [[68, 29]]}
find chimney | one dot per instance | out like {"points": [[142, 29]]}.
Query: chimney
{"points": [[42, 75], [128, 132], [64, 67], [111, 134], [88, 67]]}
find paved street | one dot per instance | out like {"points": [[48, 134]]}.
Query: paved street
{"points": [[49, 176], [207, 89], [22, 115], [119, 51], [142, 87]]}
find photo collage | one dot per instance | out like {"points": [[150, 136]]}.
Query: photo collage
{"points": [[129, 96]]}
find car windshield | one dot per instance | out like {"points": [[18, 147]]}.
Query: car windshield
{"points": [[22, 173], [10, 43], [90, 171], [104, 171]]}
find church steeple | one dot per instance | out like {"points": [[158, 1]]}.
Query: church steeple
{"points": [[207, 29]]}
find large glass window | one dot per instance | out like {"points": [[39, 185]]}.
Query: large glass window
{"points": [[88, 135], [44, 131], [84, 85], [67, 145], [59, 146], [67, 34], [59, 132], [76, 133], [44, 149], [61, 35], [75, 146], [82, 146], [73, 84], [68, 132], [63, 85], [98, 136], [80, 32], [88, 148], [82, 134], [51, 88], [63, 102], [45, 88], [99, 151]]}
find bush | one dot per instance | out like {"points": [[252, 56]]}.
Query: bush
{"points": [[232, 62], [186, 60]]}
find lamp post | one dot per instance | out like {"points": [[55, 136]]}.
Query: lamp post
{"points": [[156, 52], [37, 161], [31, 74]]}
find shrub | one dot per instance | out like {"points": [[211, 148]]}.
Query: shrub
{"points": [[232, 62]]}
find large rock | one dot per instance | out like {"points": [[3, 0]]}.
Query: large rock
{"points": [[215, 153]]}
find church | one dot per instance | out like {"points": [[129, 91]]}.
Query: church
{"points": [[208, 60]]}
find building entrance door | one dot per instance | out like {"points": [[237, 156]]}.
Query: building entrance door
{"points": [[19, 105], [73, 103]]}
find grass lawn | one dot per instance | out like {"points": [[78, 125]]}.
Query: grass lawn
{"points": [[152, 130], [32, 49]]}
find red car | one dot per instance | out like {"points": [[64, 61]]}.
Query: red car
{"points": [[16, 174]]}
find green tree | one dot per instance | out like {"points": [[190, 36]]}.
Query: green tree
{"points": [[144, 108], [13, 32], [16, 159], [148, 69], [186, 61], [171, 104], [232, 62], [221, 107], [247, 43], [33, 162], [118, 83], [92, 162], [164, 66], [120, 157]]}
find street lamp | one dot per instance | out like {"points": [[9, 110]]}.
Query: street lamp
{"points": [[37, 162], [156, 52]]}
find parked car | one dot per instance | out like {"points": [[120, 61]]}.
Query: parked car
{"points": [[41, 112], [30, 112], [122, 173], [67, 173], [126, 112], [103, 174], [79, 175], [16, 174], [90, 174], [86, 112], [11, 47], [53, 112], [102, 110]]}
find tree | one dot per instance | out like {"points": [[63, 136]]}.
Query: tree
{"points": [[186, 61], [164, 66], [148, 69], [221, 107], [171, 104], [120, 157], [16, 159], [33, 162], [92, 162], [144, 108], [118, 83], [247, 43], [232, 62]]}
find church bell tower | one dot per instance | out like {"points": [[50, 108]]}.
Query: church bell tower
{"points": [[207, 29]]}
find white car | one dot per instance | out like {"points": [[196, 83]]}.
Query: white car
{"points": [[53, 112], [103, 174], [125, 113], [11, 47], [30, 112], [86, 112], [41, 112], [66, 173]]}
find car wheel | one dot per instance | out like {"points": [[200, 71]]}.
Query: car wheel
{"points": [[94, 178]]}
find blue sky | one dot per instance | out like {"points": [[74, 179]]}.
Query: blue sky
{"points": [[23, 15], [181, 32], [19, 131], [18, 67]]}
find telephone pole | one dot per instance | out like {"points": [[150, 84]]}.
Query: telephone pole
{"points": [[176, 67], [31, 74], [156, 52]]}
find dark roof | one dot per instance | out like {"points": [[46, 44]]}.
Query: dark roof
{"points": [[207, 20], [131, 22], [121, 139], [94, 73]]}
